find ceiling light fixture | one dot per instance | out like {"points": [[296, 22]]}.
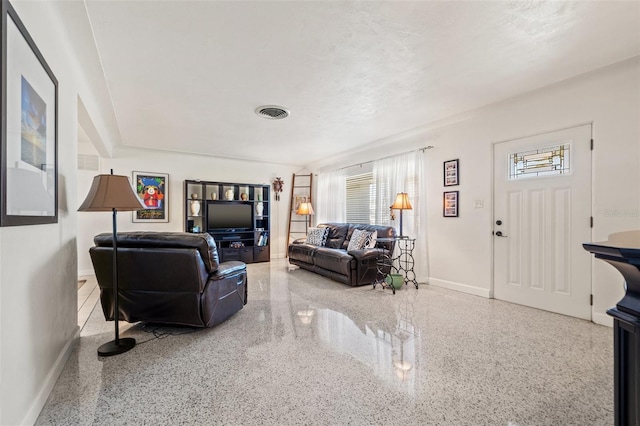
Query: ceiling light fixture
{"points": [[272, 112]]}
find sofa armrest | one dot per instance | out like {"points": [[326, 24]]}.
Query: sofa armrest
{"points": [[386, 244], [368, 254], [299, 241]]}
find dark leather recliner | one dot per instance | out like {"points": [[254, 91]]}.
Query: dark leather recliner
{"points": [[169, 278]]}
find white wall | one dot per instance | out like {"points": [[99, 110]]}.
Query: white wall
{"points": [[460, 250], [38, 320], [38, 281], [181, 166]]}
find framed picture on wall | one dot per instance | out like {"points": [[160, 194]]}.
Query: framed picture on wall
{"points": [[450, 204], [153, 191], [30, 129], [451, 173]]}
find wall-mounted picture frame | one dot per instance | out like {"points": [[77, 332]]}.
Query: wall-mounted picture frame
{"points": [[452, 173], [153, 191], [29, 135], [450, 204]]}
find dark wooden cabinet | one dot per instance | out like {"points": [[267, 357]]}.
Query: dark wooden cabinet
{"points": [[622, 251], [235, 214]]}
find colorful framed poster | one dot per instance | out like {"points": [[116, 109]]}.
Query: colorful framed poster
{"points": [[153, 191], [450, 204], [451, 173], [29, 166]]}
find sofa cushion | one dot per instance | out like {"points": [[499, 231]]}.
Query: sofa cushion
{"points": [[337, 234], [383, 231], [336, 260], [359, 239], [372, 240], [317, 236]]}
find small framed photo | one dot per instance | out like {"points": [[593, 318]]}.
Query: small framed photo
{"points": [[450, 204], [153, 191], [451, 173]]}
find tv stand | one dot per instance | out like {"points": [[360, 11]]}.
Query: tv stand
{"points": [[247, 245]]}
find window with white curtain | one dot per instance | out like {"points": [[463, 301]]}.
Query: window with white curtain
{"points": [[360, 198], [364, 195]]}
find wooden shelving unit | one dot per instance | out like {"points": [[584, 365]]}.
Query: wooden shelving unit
{"points": [[250, 240]]}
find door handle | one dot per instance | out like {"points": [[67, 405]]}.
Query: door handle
{"points": [[499, 234]]}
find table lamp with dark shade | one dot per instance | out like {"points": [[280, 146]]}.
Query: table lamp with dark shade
{"points": [[112, 193], [402, 203]]}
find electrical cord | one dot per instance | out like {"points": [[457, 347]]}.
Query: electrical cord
{"points": [[162, 332]]}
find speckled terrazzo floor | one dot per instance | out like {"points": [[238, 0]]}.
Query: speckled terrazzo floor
{"points": [[306, 350]]}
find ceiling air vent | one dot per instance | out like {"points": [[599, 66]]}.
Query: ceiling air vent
{"points": [[272, 112]]}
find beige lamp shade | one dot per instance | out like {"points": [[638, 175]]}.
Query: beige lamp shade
{"points": [[402, 202], [110, 192], [305, 209]]}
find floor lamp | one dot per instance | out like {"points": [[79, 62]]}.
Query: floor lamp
{"points": [[401, 203], [305, 209], [112, 193]]}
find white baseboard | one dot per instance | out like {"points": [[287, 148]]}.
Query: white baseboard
{"points": [[464, 288], [602, 319], [41, 398]]}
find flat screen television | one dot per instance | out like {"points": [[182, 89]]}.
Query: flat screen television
{"points": [[229, 215]]}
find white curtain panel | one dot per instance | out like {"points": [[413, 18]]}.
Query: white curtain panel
{"points": [[331, 198], [404, 173]]}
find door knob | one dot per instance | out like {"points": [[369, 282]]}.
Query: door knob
{"points": [[499, 234]]}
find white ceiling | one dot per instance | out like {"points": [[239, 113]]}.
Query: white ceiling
{"points": [[187, 75]]}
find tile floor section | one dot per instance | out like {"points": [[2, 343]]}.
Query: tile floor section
{"points": [[306, 350], [88, 296]]}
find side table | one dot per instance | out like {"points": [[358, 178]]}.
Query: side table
{"points": [[405, 259], [384, 263], [402, 264]]}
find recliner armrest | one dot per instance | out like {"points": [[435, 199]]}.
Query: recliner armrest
{"points": [[228, 268], [368, 253], [299, 241]]}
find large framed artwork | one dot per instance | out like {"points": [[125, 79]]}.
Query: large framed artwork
{"points": [[29, 135], [153, 191]]}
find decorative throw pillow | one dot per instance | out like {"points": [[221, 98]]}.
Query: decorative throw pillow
{"points": [[317, 236], [358, 239], [371, 240]]}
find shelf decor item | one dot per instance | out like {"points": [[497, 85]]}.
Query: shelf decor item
{"points": [[112, 193], [195, 208], [29, 162], [152, 189], [228, 194], [259, 209], [451, 173]]}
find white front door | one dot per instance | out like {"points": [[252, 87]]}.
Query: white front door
{"points": [[542, 215]]}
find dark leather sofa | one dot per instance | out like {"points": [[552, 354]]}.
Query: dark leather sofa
{"points": [[168, 278], [356, 267]]}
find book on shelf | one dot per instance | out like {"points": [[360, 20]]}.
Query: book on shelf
{"points": [[263, 239]]}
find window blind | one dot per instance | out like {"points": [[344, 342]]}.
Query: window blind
{"points": [[360, 199]]}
